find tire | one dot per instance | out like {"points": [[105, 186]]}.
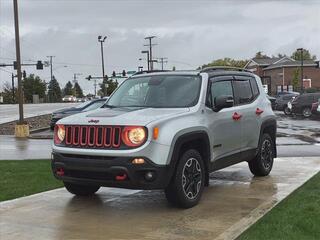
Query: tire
{"points": [[306, 112], [81, 190], [287, 111], [187, 183], [262, 164]]}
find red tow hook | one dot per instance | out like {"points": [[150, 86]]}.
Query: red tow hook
{"points": [[259, 111], [60, 172], [236, 116], [121, 177]]}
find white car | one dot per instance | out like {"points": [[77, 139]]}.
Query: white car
{"points": [[69, 98]]}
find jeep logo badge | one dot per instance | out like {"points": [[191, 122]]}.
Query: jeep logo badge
{"points": [[93, 121]]}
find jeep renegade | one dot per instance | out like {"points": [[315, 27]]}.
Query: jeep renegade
{"points": [[168, 130]]}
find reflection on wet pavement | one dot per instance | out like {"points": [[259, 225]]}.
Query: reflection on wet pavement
{"points": [[233, 199]]}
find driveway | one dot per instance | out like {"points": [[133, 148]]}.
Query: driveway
{"points": [[233, 201]]}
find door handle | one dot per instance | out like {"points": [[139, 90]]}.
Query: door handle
{"points": [[259, 111], [236, 116]]}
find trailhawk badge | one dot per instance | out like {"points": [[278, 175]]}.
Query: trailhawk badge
{"points": [[93, 121]]}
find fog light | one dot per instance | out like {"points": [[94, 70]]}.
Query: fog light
{"points": [[138, 161], [149, 176]]}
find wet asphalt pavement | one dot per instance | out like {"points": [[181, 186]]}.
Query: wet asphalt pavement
{"points": [[233, 201], [295, 138]]}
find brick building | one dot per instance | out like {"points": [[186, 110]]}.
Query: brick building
{"points": [[278, 73]]}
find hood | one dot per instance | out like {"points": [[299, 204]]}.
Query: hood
{"points": [[67, 110], [122, 116]]}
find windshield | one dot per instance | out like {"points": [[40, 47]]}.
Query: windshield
{"points": [[160, 91]]}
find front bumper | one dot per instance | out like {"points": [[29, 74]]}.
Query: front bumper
{"points": [[104, 171]]}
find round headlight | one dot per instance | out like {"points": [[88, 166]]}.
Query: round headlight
{"points": [[59, 133], [134, 136]]}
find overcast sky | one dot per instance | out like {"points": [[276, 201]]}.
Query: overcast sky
{"points": [[189, 33]]}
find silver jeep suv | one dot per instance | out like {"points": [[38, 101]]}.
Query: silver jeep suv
{"points": [[168, 130]]}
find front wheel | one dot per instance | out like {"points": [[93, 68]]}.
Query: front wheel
{"points": [[262, 164], [81, 190], [287, 111], [187, 184]]}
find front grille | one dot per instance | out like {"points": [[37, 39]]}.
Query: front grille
{"points": [[93, 136]]}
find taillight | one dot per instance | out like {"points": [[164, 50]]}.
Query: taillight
{"points": [[134, 136], [59, 133]]}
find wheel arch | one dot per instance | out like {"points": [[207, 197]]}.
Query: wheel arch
{"points": [[269, 126], [198, 140]]}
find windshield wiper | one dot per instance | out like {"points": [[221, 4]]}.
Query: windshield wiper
{"points": [[109, 106]]}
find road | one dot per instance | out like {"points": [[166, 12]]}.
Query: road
{"points": [[10, 112]]}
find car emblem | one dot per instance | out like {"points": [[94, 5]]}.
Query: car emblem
{"points": [[93, 121]]}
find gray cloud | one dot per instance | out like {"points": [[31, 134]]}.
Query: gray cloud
{"points": [[189, 33]]}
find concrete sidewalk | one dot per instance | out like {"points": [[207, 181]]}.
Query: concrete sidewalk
{"points": [[233, 201]]}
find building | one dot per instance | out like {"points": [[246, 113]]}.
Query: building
{"points": [[278, 74]]}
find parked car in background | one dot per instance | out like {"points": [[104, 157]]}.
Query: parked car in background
{"points": [[69, 98], [281, 103], [273, 102], [302, 104], [83, 107]]}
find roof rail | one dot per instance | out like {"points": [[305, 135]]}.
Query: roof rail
{"points": [[219, 68], [149, 71]]}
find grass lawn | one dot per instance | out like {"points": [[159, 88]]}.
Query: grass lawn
{"points": [[297, 217], [25, 177]]}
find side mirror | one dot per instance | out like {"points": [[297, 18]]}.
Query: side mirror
{"points": [[223, 101]]}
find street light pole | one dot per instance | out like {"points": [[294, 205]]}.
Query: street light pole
{"points": [[101, 40], [150, 50], [301, 59]]}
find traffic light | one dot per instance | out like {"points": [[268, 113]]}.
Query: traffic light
{"points": [[39, 65], [89, 77], [105, 77], [15, 65], [113, 74], [123, 73]]}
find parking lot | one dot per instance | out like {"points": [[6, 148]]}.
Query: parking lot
{"points": [[232, 202]]}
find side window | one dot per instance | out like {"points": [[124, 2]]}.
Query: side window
{"points": [[254, 86], [221, 88], [242, 91]]}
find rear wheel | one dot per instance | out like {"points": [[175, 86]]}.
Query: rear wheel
{"points": [[186, 186], [81, 190], [306, 112], [262, 164]]}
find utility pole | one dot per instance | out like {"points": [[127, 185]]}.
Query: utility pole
{"points": [[51, 74], [162, 61], [301, 56], [75, 75], [18, 59], [12, 79], [101, 40], [150, 50], [148, 58]]}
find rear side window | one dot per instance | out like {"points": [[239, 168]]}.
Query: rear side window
{"points": [[254, 86], [242, 91]]}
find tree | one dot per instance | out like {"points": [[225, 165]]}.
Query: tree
{"points": [[261, 55], [54, 91], [77, 90], [68, 89], [226, 62], [107, 87], [306, 55], [295, 79], [33, 85], [7, 94]]}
